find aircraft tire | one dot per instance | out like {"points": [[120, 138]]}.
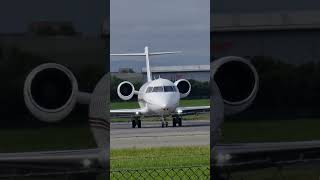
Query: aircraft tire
{"points": [[174, 122], [180, 121], [134, 123], [139, 123]]}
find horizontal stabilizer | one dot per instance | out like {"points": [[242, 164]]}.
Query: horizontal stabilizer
{"points": [[144, 54], [129, 54], [163, 53]]}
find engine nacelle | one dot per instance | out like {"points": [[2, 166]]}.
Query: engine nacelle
{"points": [[125, 90], [184, 87], [51, 92], [238, 82]]}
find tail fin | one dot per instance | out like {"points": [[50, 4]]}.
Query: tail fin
{"points": [[147, 54]]}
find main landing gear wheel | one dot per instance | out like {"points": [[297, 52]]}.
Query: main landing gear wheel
{"points": [[180, 121], [139, 123], [176, 120], [136, 122]]}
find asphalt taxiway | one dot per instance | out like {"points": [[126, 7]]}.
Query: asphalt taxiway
{"points": [[193, 132]]}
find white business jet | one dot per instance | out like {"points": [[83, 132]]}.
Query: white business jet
{"points": [[159, 97]]}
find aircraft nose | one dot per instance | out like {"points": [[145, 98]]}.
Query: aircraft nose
{"points": [[165, 109], [164, 105]]}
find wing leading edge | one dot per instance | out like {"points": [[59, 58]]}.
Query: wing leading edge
{"points": [[126, 112], [180, 110], [192, 110]]}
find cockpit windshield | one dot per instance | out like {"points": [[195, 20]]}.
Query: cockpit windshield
{"points": [[157, 89], [169, 89], [161, 89], [149, 89]]}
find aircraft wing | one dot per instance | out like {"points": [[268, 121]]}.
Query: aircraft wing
{"points": [[192, 110], [125, 112], [245, 156], [50, 162], [179, 110]]}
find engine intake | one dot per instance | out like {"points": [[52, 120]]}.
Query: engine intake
{"points": [[51, 88], [125, 90], [184, 87], [51, 92], [238, 82]]}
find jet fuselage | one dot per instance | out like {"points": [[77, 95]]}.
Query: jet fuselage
{"points": [[159, 97]]}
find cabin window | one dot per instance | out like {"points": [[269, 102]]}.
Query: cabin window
{"points": [[157, 89], [149, 89]]}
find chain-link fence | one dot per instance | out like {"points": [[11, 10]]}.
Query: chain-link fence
{"points": [[190, 172]]}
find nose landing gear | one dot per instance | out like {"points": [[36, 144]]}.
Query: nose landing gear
{"points": [[164, 123], [136, 121]]}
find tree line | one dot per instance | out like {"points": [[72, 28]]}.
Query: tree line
{"points": [[286, 90]]}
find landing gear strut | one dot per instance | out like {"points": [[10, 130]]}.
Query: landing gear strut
{"points": [[164, 123], [176, 120], [136, 121]]}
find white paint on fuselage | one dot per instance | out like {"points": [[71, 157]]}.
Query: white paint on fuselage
{"points": [[155, 103], [158, 103]]}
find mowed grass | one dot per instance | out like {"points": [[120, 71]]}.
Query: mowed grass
{"points": [[183, 102], [232, 131], [136, 158]]}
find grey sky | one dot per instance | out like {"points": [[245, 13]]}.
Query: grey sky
{"points": [[165, 25]]}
